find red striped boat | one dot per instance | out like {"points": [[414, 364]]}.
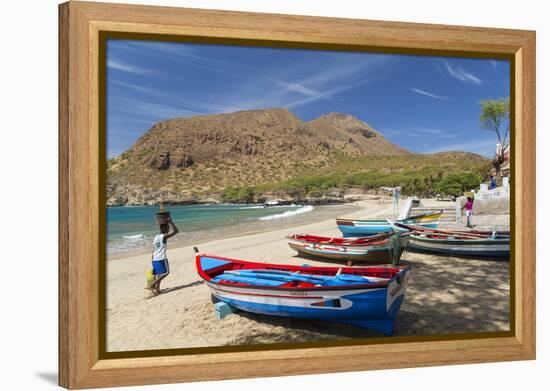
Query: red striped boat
{"points": [[382, 248], [366, 297]]}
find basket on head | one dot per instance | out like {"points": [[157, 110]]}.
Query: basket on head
{"points": [[163, 216]]}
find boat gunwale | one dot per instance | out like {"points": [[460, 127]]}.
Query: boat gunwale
{"points": [[399, 270], [354, 251], [377, 240], [472, 241], [431, 215]]}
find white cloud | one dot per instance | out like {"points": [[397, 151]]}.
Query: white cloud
{"points": [[130, 68], [179, 52], [323, 95], [460, 74], [430, 131], [447, 136], [170, 48], [297, 87], [195, 105], [426, 93], [417, 132], [390, 132], [148, 109], [435, 132], [301, 83]]}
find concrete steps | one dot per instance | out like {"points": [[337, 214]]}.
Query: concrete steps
{"points": [[448, 216]]}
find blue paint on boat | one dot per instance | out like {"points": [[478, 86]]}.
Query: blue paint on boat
{"points": [[223, 309], [247, 280], [208, 263], [369, 230], [488, 253], [279, 277], [371, 304]]}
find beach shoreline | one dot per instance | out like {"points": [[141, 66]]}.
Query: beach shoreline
{"points": [[182, 239], [446, 295]]}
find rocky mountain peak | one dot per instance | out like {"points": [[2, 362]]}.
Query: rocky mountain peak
{"points": [[248, 147]]}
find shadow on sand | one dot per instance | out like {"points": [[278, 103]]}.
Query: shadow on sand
{"points": [[446, 295], [177, 288]]}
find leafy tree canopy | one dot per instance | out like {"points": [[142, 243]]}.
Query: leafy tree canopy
{"points": [[456, 184], [495, 117]]}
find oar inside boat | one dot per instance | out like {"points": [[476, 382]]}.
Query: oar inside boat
{"points": [[457, 234], [282, 276]]}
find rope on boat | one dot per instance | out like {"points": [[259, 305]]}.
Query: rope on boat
{"points": [[395, 248]]}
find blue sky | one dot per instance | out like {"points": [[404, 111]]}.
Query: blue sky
{"points": [[422, 103]]}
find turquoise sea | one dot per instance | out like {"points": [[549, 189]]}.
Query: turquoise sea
{"points": [[133, 227]]}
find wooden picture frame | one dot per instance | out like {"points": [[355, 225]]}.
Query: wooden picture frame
{"points": [[83, 364]]}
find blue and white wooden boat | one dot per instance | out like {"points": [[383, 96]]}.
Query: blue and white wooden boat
{"points": [[365, 227], [367, 297], [494, 244], [457, 245]]}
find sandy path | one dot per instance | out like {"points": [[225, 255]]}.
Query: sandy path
{"points": [[446, 295]]}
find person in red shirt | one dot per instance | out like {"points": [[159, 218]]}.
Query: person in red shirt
{"points": [[469, 206]]}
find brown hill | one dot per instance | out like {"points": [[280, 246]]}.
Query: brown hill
{"points": [[261, 134], [354, 136], [457, 155], [183, 156]]}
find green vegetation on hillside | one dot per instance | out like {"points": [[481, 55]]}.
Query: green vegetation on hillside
{"points": [[249, 156], [238, 194], [417, 175]]}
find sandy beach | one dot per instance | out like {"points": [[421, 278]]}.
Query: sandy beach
{"points": [[446, 295]]}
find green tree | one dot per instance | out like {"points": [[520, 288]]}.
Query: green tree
{"points": [[238, 194], [456, 184], [495, 117]]}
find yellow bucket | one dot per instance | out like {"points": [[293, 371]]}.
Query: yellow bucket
{"points": [[149, 277]]}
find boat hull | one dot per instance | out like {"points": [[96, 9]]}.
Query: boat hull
{"points": [[374, 305], [381, 253], [355, 228], [495, 248], [366, 229], [358, 307]]}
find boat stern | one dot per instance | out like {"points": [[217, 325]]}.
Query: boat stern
{"points": [[396, 292]]}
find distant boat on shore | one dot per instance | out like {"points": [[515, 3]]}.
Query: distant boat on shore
{"points": [[270, 203], [495, 244]]}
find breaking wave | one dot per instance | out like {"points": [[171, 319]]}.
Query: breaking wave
{"points": [[289, 213]]}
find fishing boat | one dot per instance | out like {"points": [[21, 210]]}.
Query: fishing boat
{"points": [[495, 244], [368, 297], [382, 248], [366, 227]]}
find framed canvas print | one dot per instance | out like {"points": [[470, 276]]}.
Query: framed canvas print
{"points": [[247, 195]]}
